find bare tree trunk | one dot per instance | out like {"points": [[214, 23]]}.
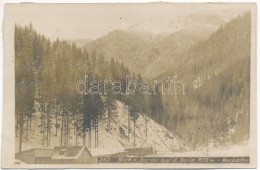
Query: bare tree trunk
{"points": [[67, 126], [66, 131], [61, 133], [128, 126], [27, 120], [89, 138], [17, 125], [97, 132], [76, 133], [108, 113], [84, 137], [76, 139], [43, 131], [146, 126], [74, 124], [49, 137], [56, 117], [134, 132], [48, 127], [41, 120], [21, 133], [31, 121], [42, 115]]}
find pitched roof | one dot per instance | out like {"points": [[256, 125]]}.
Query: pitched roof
{"points": [[39, 152], [42, 152], [71, 152]]}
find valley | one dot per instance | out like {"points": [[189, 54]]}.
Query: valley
{"points": [[211, 57]]}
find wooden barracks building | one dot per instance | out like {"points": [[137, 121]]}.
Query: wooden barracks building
{"points": [[57, 155]]}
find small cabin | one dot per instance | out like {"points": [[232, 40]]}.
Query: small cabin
{"points": [[57, 155], [35, 156]]}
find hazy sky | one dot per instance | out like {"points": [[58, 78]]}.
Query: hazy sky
{"points": [[90, 21]]}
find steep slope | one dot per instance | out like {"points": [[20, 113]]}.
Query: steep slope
{"points": [[151, 50], [171, 48], [191, 30], [125, 47], [227, 45], [114, 141], [144, 53], [216, 75], [157, 137]]}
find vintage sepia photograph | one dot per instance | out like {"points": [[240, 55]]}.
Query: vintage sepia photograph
{"points": [[130, 85]]}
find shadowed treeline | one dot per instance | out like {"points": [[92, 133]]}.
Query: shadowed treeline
{"points": [[46, 75], [216, 73]]}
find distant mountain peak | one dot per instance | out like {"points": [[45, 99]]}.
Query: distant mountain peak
{"points": [[171, 25], [157, 26]]}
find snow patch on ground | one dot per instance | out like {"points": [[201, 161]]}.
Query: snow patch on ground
{"points": [[111, 142], [159, 138]]}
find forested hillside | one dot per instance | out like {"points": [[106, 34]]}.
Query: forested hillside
{"points": [[216, 74], [214, 68], [145, 53], [149, 54], [134, 51], [46, 76]]}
